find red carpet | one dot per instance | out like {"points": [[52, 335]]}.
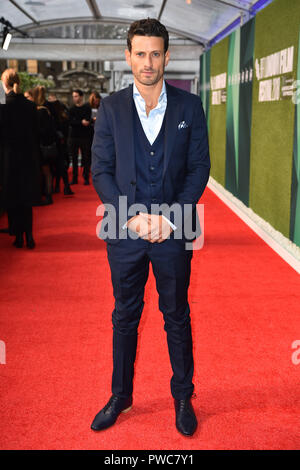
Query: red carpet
{"points": [[56, 304]]}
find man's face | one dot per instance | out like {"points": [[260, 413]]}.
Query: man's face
{"points": [[147, 59], [52, 98], [76, 98]]}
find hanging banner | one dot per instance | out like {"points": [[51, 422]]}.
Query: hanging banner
{"points": [[204, 84], [239, 110]]}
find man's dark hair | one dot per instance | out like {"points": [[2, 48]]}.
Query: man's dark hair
{"points": [[80, 92], [148, 27]]}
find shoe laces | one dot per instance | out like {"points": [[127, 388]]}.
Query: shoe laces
{"points": [[185, 402], [110, 404]]}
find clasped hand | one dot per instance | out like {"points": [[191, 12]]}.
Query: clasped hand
{"points": [[151, 227]]}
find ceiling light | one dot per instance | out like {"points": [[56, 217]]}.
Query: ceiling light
{"points": [[6, 39], [33, 3], [143, 6]]}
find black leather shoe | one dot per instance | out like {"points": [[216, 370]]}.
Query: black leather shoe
{"points": [[109, 414], [30, 243], [68, 191], [48, 200], [186, 421], [19, 241]]}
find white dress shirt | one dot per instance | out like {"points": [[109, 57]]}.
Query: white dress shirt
{"points": [[153, 122]]}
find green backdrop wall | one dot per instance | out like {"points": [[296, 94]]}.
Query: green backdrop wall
{"points": [[253, 114], [239, 110]]}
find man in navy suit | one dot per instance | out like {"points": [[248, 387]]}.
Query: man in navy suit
{"points": [[150, 149]]}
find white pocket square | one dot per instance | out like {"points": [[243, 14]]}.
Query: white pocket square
{"points": [[182, 125]]}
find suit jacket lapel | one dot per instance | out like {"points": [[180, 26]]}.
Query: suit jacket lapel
{"points": [[172, 120], [126, 118]]}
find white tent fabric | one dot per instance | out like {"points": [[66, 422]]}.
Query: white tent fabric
{"points": [[199, 20]]}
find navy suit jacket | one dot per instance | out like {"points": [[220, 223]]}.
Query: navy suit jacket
{"points": [[186, 152]]}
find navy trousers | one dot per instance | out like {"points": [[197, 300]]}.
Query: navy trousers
{"points": [[129, 263]]}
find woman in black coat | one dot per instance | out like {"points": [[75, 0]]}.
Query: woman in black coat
{"points": [[47, 138], [20, 172], [61, 118]]}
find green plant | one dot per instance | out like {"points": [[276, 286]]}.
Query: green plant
{"points": [[30, 81]]}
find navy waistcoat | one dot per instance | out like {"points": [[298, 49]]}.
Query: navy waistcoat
{"points": [[149, 160]]}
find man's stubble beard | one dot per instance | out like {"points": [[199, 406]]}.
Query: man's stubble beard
{"points": [[150, 81]]}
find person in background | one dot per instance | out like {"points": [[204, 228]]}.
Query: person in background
{"points": [[29, 94], [94, 102], [47, 138], [20, 172], [61, 118], [2, 210], [52, 97], [80, 120]]}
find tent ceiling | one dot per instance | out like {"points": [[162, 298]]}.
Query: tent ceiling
{"points": [[199, 20]]}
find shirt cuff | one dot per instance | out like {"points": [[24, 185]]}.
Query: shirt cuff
{"points": [[170, 223]]}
